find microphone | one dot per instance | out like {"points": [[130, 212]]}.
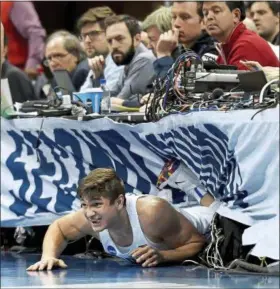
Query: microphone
{"points": [[217, 93]]}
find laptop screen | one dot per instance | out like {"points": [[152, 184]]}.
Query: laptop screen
{"points": [[64, 82]]}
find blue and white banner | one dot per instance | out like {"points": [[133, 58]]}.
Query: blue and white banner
{"points": [[42, 160]]}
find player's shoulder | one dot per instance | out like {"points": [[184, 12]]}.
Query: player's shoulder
{"points": [[152, 208], [149, 201], [156, 216]]}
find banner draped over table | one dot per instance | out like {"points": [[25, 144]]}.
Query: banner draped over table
{"points": [[42, 160]]}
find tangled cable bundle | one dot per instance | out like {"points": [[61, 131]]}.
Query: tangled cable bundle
{"points": [[170, 94], [174, 93]]}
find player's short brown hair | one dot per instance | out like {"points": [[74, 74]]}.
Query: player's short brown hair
{"points": [[101, 182]]}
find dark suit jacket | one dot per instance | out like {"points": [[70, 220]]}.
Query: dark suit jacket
{"points": [[80, 74], [20, 85]]}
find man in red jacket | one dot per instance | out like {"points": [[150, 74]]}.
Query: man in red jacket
{"points": [[223, 21]]}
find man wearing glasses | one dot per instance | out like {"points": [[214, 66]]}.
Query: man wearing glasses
{"points": [[63, 51], [92, 36]]}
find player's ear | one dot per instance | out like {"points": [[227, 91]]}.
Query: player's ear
{"points": [[120, 202]]}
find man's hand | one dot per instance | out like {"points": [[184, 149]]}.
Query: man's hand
{"points": [[116, 101], [144, 99], [148, 256], [47, 264], [168, 41], [251, 65], [97, 64]]}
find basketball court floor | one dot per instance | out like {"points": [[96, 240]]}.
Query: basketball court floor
{"points": [[114, 273]]}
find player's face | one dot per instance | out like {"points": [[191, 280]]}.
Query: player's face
{"points": [[100, 213]]}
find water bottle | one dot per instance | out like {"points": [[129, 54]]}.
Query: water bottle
{"points": [[106, 98]]}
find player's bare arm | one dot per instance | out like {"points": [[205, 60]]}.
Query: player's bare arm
{"points": [[161, 223], [68, 228]]}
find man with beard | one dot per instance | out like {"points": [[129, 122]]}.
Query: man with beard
{"points": [[92, 35], [123, 34]]}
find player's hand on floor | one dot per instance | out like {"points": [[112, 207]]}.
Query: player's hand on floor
{"points": [[147, 256], [47, 264]]}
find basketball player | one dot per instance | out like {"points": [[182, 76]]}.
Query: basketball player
{"points": [[145, 229]]}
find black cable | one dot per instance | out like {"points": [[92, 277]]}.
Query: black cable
{"points": [[203, 76], [171, 97], [38, 142], [273, 104]]}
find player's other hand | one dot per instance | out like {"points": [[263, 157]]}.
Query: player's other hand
{"points": [[47, 264]]}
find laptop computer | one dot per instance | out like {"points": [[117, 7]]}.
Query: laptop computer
{"points": [[64, 81]]}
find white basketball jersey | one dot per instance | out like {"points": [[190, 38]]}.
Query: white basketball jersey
{"points": [[139, 238], [200, 218]]}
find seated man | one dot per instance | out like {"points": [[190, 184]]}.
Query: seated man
{"points": [[156, 24], [63, 51], [249, 23], [223, 21], [266, 18], [187, 31], [140, 228], [99, 63], [123, 34], [19, 83]]}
